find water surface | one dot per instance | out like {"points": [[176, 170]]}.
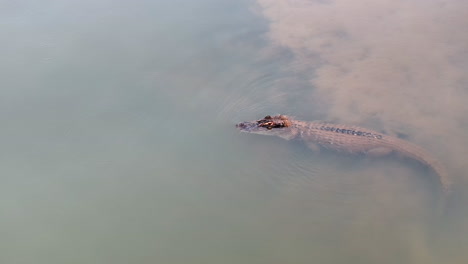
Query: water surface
{"points": [[119, 143]]}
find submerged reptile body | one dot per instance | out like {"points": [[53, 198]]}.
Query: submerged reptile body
{"points": [[343, 138]]}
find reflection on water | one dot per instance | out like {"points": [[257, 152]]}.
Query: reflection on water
{"points": [[119, 140]]}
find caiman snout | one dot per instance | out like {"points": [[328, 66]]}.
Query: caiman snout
{"points": [[246, 126], [266, 123]]}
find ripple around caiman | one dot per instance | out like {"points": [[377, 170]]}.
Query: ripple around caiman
{"points": [[343, 138]]}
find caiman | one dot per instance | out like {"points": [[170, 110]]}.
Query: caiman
{"points": [[343, 138]]}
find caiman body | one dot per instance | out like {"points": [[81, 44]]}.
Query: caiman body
{"points": [[343, 138]]}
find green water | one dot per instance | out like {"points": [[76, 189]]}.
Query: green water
{"points": [[119, 146]]}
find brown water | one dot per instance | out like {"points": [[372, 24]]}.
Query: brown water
{"points": [[119, 143]]}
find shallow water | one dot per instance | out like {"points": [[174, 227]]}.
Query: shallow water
{"points": [[119, 142]]}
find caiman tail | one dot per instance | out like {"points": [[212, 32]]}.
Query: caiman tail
{"points": [[415, 152]]}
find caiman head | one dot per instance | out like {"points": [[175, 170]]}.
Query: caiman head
{"points": [[279, 125]]}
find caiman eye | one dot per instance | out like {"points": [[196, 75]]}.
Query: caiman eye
{"points": [[267, 117]]}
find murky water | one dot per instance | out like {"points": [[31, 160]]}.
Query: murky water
{"points": [[119, 143]]}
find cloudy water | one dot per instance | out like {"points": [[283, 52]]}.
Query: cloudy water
{"points": [[119, 144]]}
